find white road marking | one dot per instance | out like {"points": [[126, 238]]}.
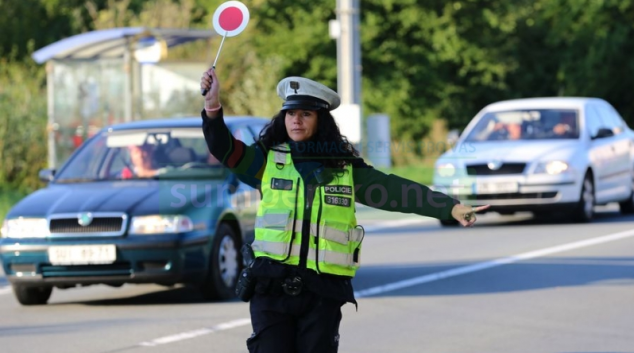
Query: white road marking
{"points": [[400, 284], [414, 282], [490, 264], [196, 333]]}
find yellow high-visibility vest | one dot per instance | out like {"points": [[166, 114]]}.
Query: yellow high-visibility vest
{"points": [[335, 239]]}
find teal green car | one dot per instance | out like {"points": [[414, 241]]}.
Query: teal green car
{"points": [[103, 218]]}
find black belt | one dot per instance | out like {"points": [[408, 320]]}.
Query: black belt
{"points": [[292, 285], [276, 278]]}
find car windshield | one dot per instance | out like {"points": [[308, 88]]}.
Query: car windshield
{"points": [[142, 154], [533, 124]]}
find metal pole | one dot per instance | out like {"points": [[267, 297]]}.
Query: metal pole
{"points": [[356, 52], [349, 62], [52, 127], [349, 52], [127, 81]]}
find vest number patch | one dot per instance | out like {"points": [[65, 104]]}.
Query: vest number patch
{"points": [[281, 184], [338, 201], [338, 189]]}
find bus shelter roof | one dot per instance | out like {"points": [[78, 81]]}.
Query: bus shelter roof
{"points": [[112, 43]]}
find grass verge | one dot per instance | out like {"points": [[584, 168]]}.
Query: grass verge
{"points": [[422, 174]]}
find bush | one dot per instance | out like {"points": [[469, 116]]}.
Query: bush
{"points": [[8, 198], [23, 136]]}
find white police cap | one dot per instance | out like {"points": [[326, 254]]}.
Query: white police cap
{"points": [[302, 93]]}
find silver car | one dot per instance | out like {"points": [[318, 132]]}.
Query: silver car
{"points": [[542, 155]]}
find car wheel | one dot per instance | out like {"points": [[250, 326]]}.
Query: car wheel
{"points": [[224, 265], [32, 295], [584, 211], [627, 206], [449, 223]]}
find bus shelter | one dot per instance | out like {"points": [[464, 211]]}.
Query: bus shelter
{"points": [[104, 77]]}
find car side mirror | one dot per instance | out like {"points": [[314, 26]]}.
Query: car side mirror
{"points": [[603, 133], [453, 136], [46, 175]]}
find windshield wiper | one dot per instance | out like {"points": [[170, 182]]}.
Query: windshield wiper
{"points": [[78, 180]]}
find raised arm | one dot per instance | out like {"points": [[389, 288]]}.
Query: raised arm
{"points": [[247, 162]]}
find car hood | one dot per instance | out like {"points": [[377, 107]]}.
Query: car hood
{"points": [[511, 151], [138, 197]]}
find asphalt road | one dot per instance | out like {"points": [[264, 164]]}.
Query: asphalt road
{"points": [[510, 284]]}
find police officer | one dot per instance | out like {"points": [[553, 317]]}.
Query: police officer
{"points": [[307, 242]]}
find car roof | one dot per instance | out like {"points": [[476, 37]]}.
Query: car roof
{"points": [[543, 102], [186, 122]]}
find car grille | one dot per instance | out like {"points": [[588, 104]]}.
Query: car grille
{"points": [[505, 169], [117, 268], [101, 225]]}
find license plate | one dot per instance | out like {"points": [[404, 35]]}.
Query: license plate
{"points": [[496, 188], [82, 255]]}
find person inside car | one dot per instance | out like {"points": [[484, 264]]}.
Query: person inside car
{"points": [[141, 162], [567, 126], [506, 131]]}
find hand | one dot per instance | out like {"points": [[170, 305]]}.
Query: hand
{"points": [[561, 129], [465, 215], [499, 126], [209, 81]]}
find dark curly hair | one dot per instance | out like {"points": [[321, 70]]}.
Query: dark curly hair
{"points": [[327, 144]]}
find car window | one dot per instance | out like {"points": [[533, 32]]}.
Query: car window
{"points": [[139, 154], [593, 120], [611, 118], [533, 124], [87, 160], [243, 134], [256, 129]]}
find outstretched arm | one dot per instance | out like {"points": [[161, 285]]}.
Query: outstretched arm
{"points": [[394, 193]]}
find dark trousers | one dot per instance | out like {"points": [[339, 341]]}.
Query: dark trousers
{"points": [[306, 323]]}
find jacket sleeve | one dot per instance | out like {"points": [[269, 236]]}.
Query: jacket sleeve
{"points": [[247, 162], [394, 193]]}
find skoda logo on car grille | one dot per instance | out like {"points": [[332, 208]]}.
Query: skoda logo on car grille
{"points": [[494, 165], [84, 219]]}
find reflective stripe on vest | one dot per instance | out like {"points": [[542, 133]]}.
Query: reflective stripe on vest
{"points": [[342, 259], [334, 241]]}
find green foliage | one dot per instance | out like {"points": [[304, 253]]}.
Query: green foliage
{"points": [[297, 32], [420, 173], [8, 198], [23, 137], [423, 61]]}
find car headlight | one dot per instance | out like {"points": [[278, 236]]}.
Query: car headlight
{"points": [[445, 169], [25, 228], [552, 168], [158, 224]]}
